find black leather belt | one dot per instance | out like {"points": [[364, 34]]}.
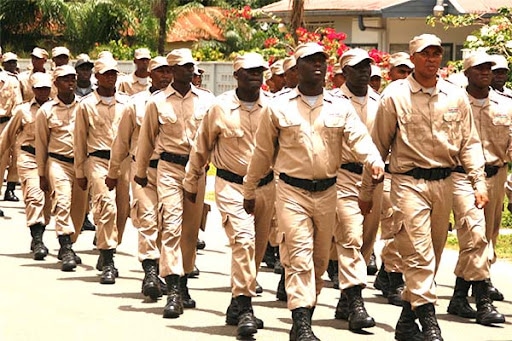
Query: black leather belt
{"points": [[352, 167], [152, 163], [490, 171], [62, 158], [29, 149], [386, 168], [238, 179], [102, 154], [308, 185], [175, 158], [430, 174], [4, 119]]}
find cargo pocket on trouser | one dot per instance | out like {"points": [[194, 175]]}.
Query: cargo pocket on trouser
{"points": [[403, 239], [134, 214]]}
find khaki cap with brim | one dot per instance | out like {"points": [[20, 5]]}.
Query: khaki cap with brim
{"points": [[157, 62], [354, 56], [250, 60], [180, 57], [500, 62], [59, 51], [400, 58], [41, 80], [308, 49], [478, 58], [9, 56], [40, 53], [103, 65], [63, 70], [421, 42]]}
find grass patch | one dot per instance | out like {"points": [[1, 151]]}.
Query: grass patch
{"points": [[503, 247]]}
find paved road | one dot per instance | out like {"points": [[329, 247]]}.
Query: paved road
{"points": [[39, 302]]}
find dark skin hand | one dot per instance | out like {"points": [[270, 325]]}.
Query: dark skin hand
{"points": [[111, 183], [82, 183], [249, 205], [190, 196], [143, 182], [43, 184]]}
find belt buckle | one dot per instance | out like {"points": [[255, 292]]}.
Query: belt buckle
{"points": [[314, 185]]}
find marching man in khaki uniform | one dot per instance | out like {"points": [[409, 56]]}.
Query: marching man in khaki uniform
{"points": [[139, 79], [55, 127], [428, 125], [21, 131], [97, 121], [304, 131], [226, 135], [169, 128], [355, 234], [38, 59], [145, 215], [493, 119]]}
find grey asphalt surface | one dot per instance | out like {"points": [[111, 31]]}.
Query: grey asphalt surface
{"points": [[39, 302]]}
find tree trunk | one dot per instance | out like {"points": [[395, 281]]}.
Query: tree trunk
{"points": [[163, 8], [297, 17]]}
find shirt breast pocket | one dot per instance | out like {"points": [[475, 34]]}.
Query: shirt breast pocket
{"points": [[333, 125], [291, 129], [55, 122], [452, 125]]}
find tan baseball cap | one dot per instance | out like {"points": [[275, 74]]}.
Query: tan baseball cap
{"points": [[337, 70], [40, 53], [421, 42], [83, 59], [400, 58], [198, 71], [157, 62], [250, 60], [476, 59], [60, 50], [376, 71], [62, 71], [8, 56], [180, 57], [103, 65], [309, 49], [41, 80], [354, 56], [142, 53], [105, 54], [500, 62], [277, 68], [289, 62]]}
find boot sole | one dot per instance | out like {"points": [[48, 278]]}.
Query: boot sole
{"points": [[247, 331], [361, 325], [171, 315], [491, 322], [231, 321], [152, 292], [68, 268], [107, 281]]}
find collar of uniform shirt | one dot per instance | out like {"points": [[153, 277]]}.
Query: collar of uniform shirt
{"points": [[117, 96], [327, 96], [169, 91]]}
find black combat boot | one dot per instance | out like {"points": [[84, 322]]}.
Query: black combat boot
{"points": [[38, 247], [406, 328], [232, 315], [108, 275], [281, 290], [342, 312], [396, 287], [382, 281], [486, 313], [332, 272], [459, 304], [88, 225], [270, 256], [494, 293], [188, 302], [9, 192], [247, 325], [358, 318], [371, 268], [426, 314], [99, 264], [194, 273], [67, 253], [200, 244], [78, 260], [174, 307], [150, 283], [301, 328]]}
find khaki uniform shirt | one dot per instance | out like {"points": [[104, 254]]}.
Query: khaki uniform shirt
{"points": [[55, 126], [21, 128], [96, 126], [227, 133], [127, 136], [493, 121], [426, 128], [171, 123], [366, 111], [26, 85], [306, 140], [130, 85], [10, 93], [506, 91]]}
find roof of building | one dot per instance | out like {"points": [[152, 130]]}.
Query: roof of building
{"points": [[388, 8], [196, 24]]}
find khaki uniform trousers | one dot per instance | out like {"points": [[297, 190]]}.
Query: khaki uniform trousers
{"points": [[494, 209], [145, 216], [37, 202], [242, 228], [390, 256], [110, 209], [353, 229], [69, 201], [8, 159], [473, 263], [180, 220], [306, 223], [421, 211]]}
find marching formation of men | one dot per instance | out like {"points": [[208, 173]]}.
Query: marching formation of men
{"points": [[313, 170]]}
